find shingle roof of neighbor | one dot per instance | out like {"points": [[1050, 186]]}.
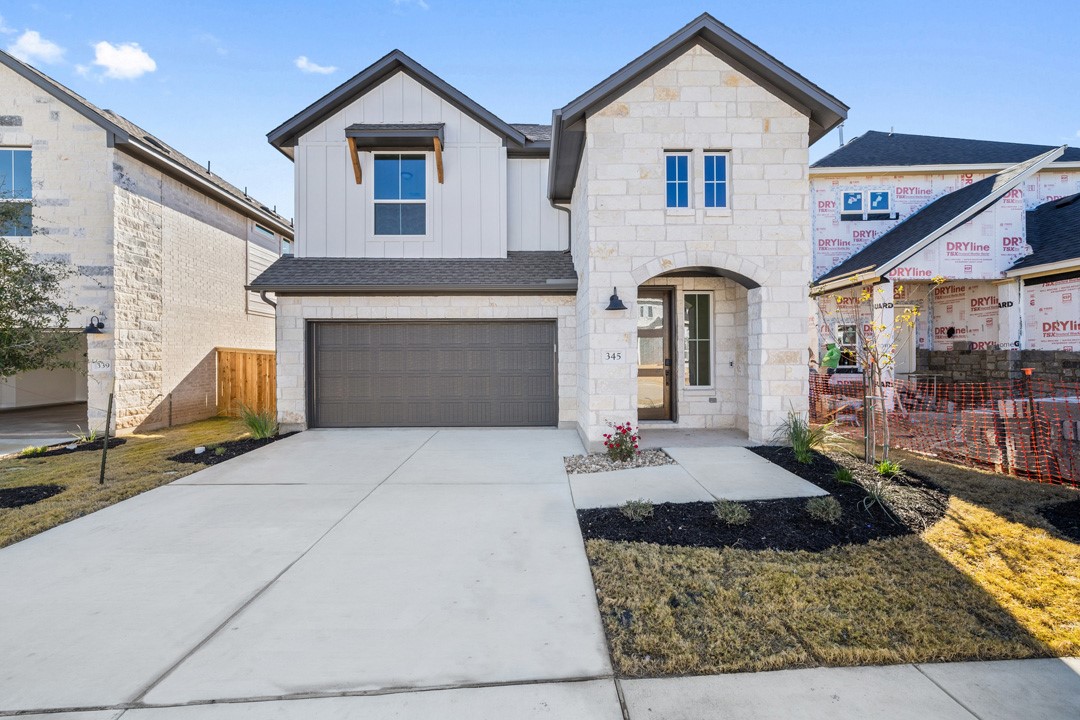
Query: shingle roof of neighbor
{"points": [[874, 149], [534, 132], [135, 135], [518, 271], [914, 228], [1053, 232]]}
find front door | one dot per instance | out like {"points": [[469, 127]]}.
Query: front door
{"points": [[654, 354]]}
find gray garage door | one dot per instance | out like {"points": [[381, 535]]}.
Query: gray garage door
{"points": [[415, 373]]}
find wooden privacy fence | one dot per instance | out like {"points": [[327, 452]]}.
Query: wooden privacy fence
{"points": [[245, 378]]}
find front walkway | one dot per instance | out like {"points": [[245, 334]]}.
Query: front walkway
{"points": [[388, 573]]}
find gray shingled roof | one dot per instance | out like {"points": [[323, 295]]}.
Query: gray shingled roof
{"points": [[1053, 232], [115, 123], [880, 149], [915, 228], [534, 132], [550, 271]]}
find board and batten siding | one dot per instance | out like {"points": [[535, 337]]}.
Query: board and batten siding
{"points": [[466, 213], [533, 223]]}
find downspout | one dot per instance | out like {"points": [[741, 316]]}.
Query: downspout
{"points": [[569, 227], [268, 301]]}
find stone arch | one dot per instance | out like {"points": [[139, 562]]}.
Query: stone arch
{"points": [[748, 274]]}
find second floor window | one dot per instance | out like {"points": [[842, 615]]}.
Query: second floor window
{"points": [[400, 195], [15, 192], [716, 180], [678, 180]]}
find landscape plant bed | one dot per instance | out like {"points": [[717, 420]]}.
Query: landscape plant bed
{"points": [[27, 495], [220, 452], [600, 462], [988, 580], [1065, 517], [80, 447]]}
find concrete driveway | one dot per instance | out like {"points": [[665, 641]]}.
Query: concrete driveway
{"points": [[414, 574]]}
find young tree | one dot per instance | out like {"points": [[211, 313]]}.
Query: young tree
{"points": [[33, 315], [875, 348]]}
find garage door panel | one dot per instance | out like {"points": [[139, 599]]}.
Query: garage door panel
{"points": [[417, 373]]}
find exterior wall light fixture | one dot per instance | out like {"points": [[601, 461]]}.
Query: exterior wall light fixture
{"points": [[94, 327], [616, 303]]}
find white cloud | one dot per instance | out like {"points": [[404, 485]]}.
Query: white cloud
{"points": [[4, 28], [422, 4], [30, 47], [125, 61], [307, 66]]}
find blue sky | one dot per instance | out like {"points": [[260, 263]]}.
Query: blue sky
{"points": [[212, 78]]}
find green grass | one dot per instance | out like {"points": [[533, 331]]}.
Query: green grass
{"points": [[139, 465], [988, 581]]}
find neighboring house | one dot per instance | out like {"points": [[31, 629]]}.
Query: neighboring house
{"points": [[162, 249], [456, 269], [1000, 222]]}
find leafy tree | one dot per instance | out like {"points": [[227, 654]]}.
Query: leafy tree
{"points": [[33, 315]]}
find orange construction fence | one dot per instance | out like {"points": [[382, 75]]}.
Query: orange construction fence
{"points": [[1029, 428]]}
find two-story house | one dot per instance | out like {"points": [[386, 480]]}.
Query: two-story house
{"points": [[645, 258], [161, 249]]}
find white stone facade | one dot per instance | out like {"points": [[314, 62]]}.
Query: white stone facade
{"points": [[623, 235], [295, 312]]}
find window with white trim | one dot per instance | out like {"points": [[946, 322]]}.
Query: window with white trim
{"points": [[16, 191], [848, 344], [400, 194], [716, 180], [677, 174], [697, 319], [866, 205]]}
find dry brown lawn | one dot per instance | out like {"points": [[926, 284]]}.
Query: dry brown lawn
{"points": [[991, 580], [139, 465]]}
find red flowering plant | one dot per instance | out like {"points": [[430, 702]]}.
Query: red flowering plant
{"points": [[622, 444]]}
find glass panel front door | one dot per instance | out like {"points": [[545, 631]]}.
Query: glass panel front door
{"points": [[654, 354]]}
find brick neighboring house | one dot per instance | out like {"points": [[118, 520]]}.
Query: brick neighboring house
{"points": [[1000, 222], [162, 247], [455, 269]]}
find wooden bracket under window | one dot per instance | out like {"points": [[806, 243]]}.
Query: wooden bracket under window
{"points": [[438, 159], [355, 155]]}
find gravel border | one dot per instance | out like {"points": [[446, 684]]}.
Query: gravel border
{"points": [[600, 462]]}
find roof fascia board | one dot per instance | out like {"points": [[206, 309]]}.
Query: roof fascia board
{"points": [[846, 281], [316, 290], [116, 134], [1019, 175], [183, 174], [905, 169], [288, 132], [1045, 269]]}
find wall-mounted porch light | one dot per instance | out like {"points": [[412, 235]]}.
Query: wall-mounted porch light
{"points": [[616, 303], [94, 327]]}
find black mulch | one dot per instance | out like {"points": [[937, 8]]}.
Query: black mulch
{"points": [[1065, 517], [232, 448], [27, 495], [778, 524], [81, 447]]}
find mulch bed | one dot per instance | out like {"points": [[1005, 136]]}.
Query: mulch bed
{"points": [[600, 462], [28, 495], [781, 524], [81, 447], [1065, 517], [232, 448]]}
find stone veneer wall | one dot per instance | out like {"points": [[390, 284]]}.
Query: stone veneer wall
{"points": [[998, 365], [623, 235], [294, 312], [181, 267], [72, 216]]}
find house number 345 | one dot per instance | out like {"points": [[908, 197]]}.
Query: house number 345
{"points": [[613, 356]]}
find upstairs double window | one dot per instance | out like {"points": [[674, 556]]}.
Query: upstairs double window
{"points": [[16, 192], [400, 194], [680, 184]]}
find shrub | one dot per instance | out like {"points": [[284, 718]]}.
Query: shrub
{"points": [[803, 437], [637, 510], [824, 509], [81, 437], [622, 445], [730, 512], [261, 424], [219, 451], [33, 451], [844, 476], [888, 469], [878, 493]]}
